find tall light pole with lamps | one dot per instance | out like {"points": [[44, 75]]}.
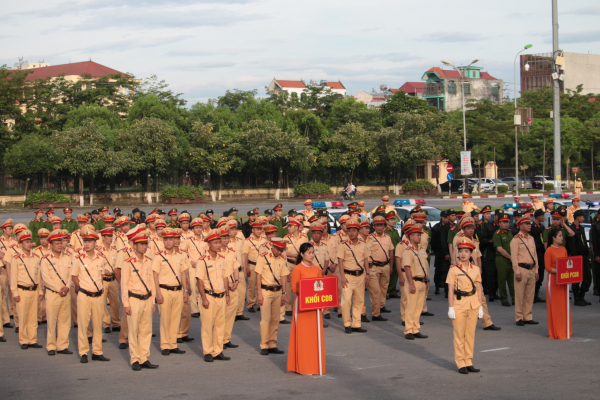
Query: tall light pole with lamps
{"points": [[461, 73], [516, 128]]}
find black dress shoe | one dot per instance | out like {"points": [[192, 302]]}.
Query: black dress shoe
{"points": [[288, 313], [107, 330], [222, 357], [195, 315], [153, 335], [284, 322], [116, 329], [339, 315], [409, 336], [90, 340], [187, 338], [446, 295], [471, 368], [491, 298], [51, 352], [360, 330], [8, 325], [275, 350], [363, 318], [230, 345], [2, 340], [463, 370], [42, 322], [419, 335], [122, 346], [335, 309], [394, 296], [264, 352], [241, 318], [325, 326], [492, 327], [538, 299], [258, 308], [580, 302], [427, 314], [83, 359], [251, 309], [531, 322], [208, 358], [379, 318], [403, 323], [513, 302], [165, 352], [428, 298], [36, 346], [520, 323], [347, 329], [587, 302], [148, 365], [326, 316], [24, 346], [505, 304], [177, 351], [64, 351], [179, 340], [75, 326], [384, 310], [437, 291], [17, 329], [99, 357], [136, 366]]}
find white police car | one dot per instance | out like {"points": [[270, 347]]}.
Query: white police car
{"points": [[404, 206], [335, 209]]}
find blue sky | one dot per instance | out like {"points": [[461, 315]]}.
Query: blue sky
{"points": [[203, 47]]}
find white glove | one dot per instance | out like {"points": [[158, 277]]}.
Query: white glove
{"points": [[451, 313], [480, 312]]}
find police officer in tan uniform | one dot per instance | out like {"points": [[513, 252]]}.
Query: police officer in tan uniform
{"points": [[295, 239], [111, 287], [468, 206], [572, 208], [537, 203], [250, 255], [525, 264], [237, 243], [415, 264], [6, 241], [233, 280], [380, 266]]}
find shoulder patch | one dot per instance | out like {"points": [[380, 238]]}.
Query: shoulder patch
{"points": [[67, 252], [221, 255], [498, 231], [36, 255], [101, 255], [343, 242], [202, 257], [46, 255], [17, 256], [129, 259], [263, 254], [79, 255]]}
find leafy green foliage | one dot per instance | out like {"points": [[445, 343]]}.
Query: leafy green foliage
{"points": [[312, 188], [30, 156], [182, 192], [46, 197], [422, 184], [504, 189]]}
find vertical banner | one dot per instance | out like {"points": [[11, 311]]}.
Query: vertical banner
{"points": [[465, 163]]}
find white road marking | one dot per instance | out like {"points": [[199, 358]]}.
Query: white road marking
{"points": [[375, 366], [501, 348]]}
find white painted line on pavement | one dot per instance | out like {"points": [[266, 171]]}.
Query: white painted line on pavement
{"points": [[322, 376], [501, 348], [375, 366]]}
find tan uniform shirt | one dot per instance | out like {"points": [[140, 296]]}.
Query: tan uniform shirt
{"points": [[519, 254], [120, 240], [5, 248], [169, 267], [194, 247], [76, 240], [25, 271], [476, 253], [130, 278], [469, 206], [380, 245], [332, 245], [232, 263], [211, 271], [457, 276], [416, 260], [278, 266], [341, 236], [360, 250], [251, 246], [321, 253], [123, 254], [91, 280], [538, 204], [293, 248], [56, 271], [110, 253], [570, 211], [237, 244], [400, 247]]}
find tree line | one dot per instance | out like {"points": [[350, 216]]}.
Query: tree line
{"points": [[122, 129]]}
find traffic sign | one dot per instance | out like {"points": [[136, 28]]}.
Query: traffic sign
{"points": [[449, 168], [449, 176], [575, 170]]}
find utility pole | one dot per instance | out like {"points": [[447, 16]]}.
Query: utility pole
{"points": [[556, 107]]}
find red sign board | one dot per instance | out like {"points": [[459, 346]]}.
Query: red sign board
{"points": [[569, 270], [575, 170], [449, 168], [318, 293]]}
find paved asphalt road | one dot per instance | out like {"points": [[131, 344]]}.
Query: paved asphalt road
{"points": [[516, 362]]}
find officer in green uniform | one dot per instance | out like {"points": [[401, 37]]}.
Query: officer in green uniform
{"points": [[278, 219], [559, 221], [506, 275], [97, 220], [68, 223], [47, 223], [173, 223], [489, 227], [390, 229], [36, 224]]}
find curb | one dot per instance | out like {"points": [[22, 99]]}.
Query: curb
{"points": [[494, 196]]}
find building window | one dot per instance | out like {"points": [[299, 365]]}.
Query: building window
{"points": [[294, 95], [421, 172], [467, 88], [452, 87], [434, 172]]}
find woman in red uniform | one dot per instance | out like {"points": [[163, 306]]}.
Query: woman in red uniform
{"points": [[307, 327], [557, 296]]}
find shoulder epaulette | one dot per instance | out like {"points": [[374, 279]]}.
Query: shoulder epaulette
{"points": [[230, 249], [202, 257], [221, 255], [129, 259], [67, 252], [79, 255], [12, 245], [46, 255], [263, 254], [343, 242], [498, 231], [101, 255], [36, 255], [453, 265], [17, 255], [113, 247], [37, 248]]}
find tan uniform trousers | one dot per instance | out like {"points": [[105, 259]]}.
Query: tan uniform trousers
{"points": [[251, 288], [353, 300], [2, 291], [194, 294], [289, 295], [487, 319], [339, 276], [170, 315], [12, 308], [58, 312], [4, 314], [270, 314], [414, 307], [464, 336], [124, 333], [378, 287], [186, 318], [73, 303], [213, 325], [241, 297], [230, 313], [140, 329], [404, 300], [89, 308], [41, 313], [524, 293], [111, 291], [27, 310]]}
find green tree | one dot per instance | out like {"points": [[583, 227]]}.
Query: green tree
{"points": [[234, 98], [349, 146], [401, 102]]}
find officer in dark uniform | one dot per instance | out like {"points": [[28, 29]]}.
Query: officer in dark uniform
{"points": [[595, 246], [246, 227], [484, 246], [487, 238], [517, 215], [438, 262], [136, 217], [577, 245], [537, 231], [445, 251], [117, 212]]}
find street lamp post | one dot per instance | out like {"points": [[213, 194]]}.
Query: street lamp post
{"points": [[516, 128], [462, 88]]}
